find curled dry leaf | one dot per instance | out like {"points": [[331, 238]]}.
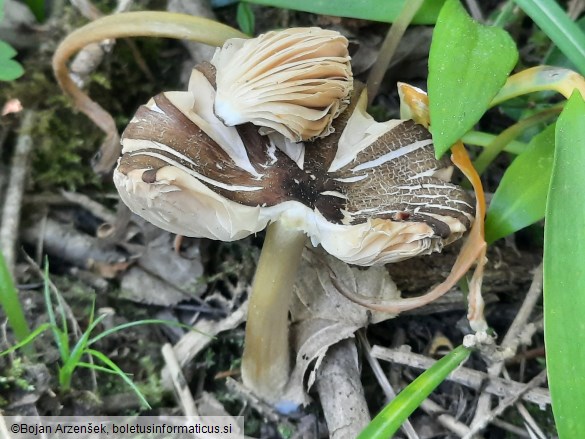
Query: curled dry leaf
{"points": [[321, 316], [294, 81]]}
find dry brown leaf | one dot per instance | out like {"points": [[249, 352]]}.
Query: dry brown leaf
{"points": [[139, 285], [161, 259], [321, 316]]}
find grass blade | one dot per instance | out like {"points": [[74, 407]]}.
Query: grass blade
{"points": [[11, 304], [389, 420], [138, 323], [77, 352], [520, 199], [468, 64], [61, 336], [29, 338], [564, 273], [116, 369], [376, 10], [564, 32]]}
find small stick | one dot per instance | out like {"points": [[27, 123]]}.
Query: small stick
{"points": [[387, 388], [464, 376], [341, 392], [507, 402], [179, 382], [15, 190], [510, 342]]}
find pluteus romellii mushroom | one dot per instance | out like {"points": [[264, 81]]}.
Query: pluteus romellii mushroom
{"points": [[220, 161]]}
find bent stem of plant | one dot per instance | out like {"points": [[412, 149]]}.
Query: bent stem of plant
{"points": [[129, 24], [266, 360], [541, 78]]}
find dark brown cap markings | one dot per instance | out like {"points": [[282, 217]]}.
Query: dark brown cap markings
{"points": [[391, 179]]}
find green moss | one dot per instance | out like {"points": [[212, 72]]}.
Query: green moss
{"points": [[64, 139], [14, 378]]}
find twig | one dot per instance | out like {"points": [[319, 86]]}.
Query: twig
{"points": [[96, 209], [510, 343], [179, 382], [15, 190], [195, 341], [464, 376], [449, 422], [3, 428], [90, 57], [512, 339], [528, 419], [387, 388], [507, 402], [341, 392], [71, 245], [514, 429]]}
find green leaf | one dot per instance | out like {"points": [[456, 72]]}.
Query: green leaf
{"points": [[557, 58], [564, 273], [245, 18], [389, 420], [564, 32], [520, 199], [9, 69], [10, 303], [376, 10], [38, 8], [468, 64]]}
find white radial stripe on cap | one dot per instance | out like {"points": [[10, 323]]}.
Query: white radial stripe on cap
{"points": [[351, 179], [438, 206], [393, 155], [196, 174], [427, 173], [419, 186], [334, 194]]}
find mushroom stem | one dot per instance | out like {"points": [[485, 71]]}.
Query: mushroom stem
{"points": [[266, 359]]}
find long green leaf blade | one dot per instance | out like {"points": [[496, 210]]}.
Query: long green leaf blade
{"points": [[564, 273], [10, 302], [28, 339], [389, 420], [564, 32], [138, 323], [116, 369], [375, 10], [468, 64], [520, 199]]}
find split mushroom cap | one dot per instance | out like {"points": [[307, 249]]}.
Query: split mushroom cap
{"points": [[294, 81], [370, 193]]}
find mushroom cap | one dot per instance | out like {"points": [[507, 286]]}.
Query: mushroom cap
{"points": [[371, 193], [294, 81]]}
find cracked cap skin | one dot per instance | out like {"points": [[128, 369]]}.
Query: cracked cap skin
{"points": [[369, 192]]}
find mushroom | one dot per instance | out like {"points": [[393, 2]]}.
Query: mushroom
{"points": [[368, 193], [294, 81]]}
